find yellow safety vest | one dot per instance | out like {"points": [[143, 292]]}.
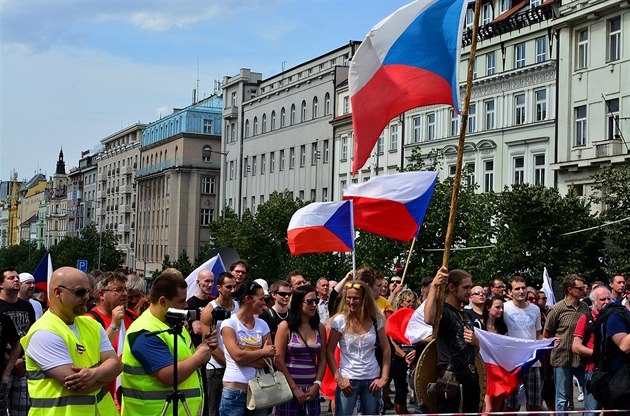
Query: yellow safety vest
{"points": [[143, 393], [48, 396]]}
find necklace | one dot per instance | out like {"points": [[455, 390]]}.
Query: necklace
{"points": [[286, 314]]}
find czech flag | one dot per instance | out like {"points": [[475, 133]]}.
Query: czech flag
{"points": [[215, 265], [409, 59], [322, 227], [507, 358], [43, 273], [392, 205]]}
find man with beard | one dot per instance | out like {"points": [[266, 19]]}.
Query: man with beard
{"points": [[456, 340], [69, 358], [22, 314], [27, 290], [617, 286]]}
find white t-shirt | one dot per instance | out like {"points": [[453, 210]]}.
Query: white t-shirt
{"points": [[39, 311], [49, 350], [247, 339], [358, 361], [522, 322], [417, 329], [213, 363]]}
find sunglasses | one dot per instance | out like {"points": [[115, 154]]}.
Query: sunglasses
{"points": [[353, 286], [283, 294], [479, 293], [543, 298], [312, 301], [397, 281], [79, 292]]}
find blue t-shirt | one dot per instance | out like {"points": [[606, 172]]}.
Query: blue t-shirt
{"points": [[152, 352], [617, 324]]}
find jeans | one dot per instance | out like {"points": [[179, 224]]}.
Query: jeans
{"points": [[214, 390], [563, 380], [590, 403], [234, 403], [361, 391]]}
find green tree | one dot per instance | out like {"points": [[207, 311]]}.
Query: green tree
{"points": [[23, 257], [87, 247], [183, 264]]}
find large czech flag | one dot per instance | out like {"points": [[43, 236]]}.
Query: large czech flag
{"points": [[322, 227], [392, 205], [43, 272], [507, 359], [409, 59]]}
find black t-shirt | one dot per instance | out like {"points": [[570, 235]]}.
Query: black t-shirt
{"points": [[8, 336], [453, 352], [194, 303], [21, 313], [273, 320], [474, 316]]}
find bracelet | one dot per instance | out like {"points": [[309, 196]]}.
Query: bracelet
{"points": [[319, 383], [114, 327]]}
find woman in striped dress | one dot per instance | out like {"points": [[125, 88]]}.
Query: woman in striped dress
{"points": [[301, 353]]}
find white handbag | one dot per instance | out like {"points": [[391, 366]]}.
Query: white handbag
{"points": [[267, 389]]}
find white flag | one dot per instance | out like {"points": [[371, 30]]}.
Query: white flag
{"points": [[546, 287]]}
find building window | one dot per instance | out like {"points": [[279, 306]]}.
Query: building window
{"points": [[233, 131], [344, 148], [417, 129], [206, 216], [519, 109], [301, 194], [273, 120], [486, 14], [451, 170], [342, 186], [505, 5], [491, 63], [488, 175], [272, 162], [292, 120], [326, 151], [325, 194], [327, 104], [393, 137], [469, 172], [472, 118], [283, 117], [254, 165], [247, 167], [246, 128], [454, 123], [582, 49], [534, 3], [614, 39], [313, 195], [489, 114], [612, 110], [470, 14], [292, 158], [519, 55], [302, 156], [541, 49], [314, 154], [263, 164], [264, 123], [281, 168], [431, 126], [346, 105], [231, 169], [580, 125], [255, 126], [380, 145], [519, 170], [303, 112], [207, 126], [539, 169], [207, 185], [541, 105], [315, 108], [206, 154]]}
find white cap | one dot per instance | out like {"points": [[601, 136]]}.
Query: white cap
{"points": [[264, 285], [26, 277]]}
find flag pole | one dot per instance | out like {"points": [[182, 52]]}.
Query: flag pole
{"points": [[354, 257], [450, 231], [413, 243]]}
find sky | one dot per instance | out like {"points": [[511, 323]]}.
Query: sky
{"points": [[73, 72]]}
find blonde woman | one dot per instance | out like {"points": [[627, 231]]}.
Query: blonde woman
{"points": [[358, 328]]}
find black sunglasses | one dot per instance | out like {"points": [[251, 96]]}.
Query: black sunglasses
{"points": [[79, 292], [283, 294], [312, 301]]}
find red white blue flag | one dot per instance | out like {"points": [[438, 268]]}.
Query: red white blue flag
{"points": [[322, 227], [215, 265], [409, 59], [392, 205], [43, 272]]}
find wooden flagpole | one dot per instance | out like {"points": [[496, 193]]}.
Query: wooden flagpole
{"points": [[413, 243], [450, 231]]}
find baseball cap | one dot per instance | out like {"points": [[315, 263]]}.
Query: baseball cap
{"points": [[264, 285], [26, 277]]}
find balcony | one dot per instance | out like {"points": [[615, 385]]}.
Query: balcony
{"points": [[100, 194], [608, 148], [126, 189], [154, 168], [126, 208], [127, 170], [124, 228], [230, 112], [101, 177]]}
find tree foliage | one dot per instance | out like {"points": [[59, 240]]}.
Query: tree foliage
{"points": [[87, 247], [23, 257]]}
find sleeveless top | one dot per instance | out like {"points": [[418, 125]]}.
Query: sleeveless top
{"points": [[300, 360]]}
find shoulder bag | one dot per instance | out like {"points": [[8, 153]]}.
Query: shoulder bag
{"points": [[267, 389]]}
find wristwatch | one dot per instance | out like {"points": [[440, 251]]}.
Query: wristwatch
{"points": [[319, 383], [114, 327]]}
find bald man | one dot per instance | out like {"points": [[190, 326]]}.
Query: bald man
{"points": [[69, 359]]}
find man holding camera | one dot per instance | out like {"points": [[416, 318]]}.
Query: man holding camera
{"points": [[213, 315], [147, 377]]}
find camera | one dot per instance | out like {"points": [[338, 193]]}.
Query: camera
{"points": [[176, 316], [219, 314]]}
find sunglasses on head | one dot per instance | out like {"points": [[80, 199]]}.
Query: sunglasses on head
{"points": [[312, 301], [79, 292], [353, 286]]}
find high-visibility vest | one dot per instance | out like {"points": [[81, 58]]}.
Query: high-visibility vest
{"points": [[48, 396], [143, 393]]}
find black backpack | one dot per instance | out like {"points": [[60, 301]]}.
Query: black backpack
{"points": [[609, 387]]}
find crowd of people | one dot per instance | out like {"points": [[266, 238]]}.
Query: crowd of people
{"points": [[100, 345]]}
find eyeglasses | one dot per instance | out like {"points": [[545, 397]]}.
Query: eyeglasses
{"points": [[479, 293], [353, 299], [580, 288], [353, 286], [117, 290], [500, 287], [283, 294], [397, 281], [78, 292], [543, 298], [312, 301]]}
